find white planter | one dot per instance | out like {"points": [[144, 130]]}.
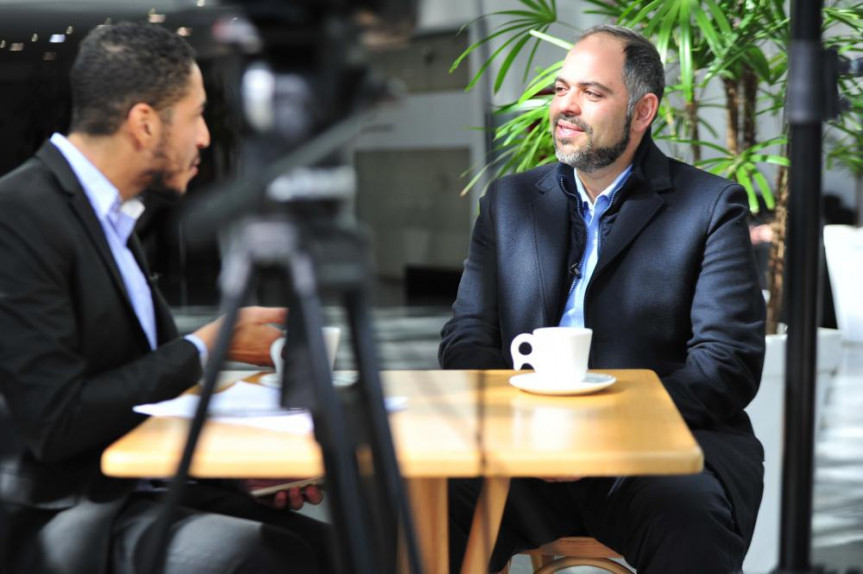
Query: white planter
{"points": [[843, 246], [767, 412]]}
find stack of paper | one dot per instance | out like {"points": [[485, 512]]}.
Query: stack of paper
{"points": [[248, 404]]}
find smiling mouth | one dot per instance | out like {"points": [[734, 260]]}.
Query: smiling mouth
{"points": [[567, 131], [566, 128]]}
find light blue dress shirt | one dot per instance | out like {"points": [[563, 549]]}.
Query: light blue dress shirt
{"points": [[118, 220], [592, 212]]}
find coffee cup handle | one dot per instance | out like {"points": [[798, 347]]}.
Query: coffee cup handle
{"points": [[276, 351], [518, 359]]}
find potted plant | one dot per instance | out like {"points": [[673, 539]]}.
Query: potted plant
{"points": [[725, 55]]}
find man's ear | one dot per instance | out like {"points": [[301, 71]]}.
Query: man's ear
{"points": [[144, 125], [645, 110]]}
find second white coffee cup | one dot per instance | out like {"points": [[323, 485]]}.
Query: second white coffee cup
{"points": [[557, 353], [331, 340]]}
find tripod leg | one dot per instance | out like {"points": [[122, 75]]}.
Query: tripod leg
{"points": [[236, 274], [391, 489], [360, 551]]}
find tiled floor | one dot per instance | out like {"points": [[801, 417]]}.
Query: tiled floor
{"points": [[408, 337]]}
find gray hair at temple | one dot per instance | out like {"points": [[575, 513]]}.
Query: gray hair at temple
{"points": [[643, 72]]}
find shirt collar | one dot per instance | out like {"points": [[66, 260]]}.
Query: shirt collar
{"points": [[103, 195], [608, 192]]}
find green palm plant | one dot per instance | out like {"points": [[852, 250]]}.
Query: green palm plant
{"points": [[737, 45]]}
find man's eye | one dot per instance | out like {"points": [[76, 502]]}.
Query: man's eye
{"points": [[559, 89]]}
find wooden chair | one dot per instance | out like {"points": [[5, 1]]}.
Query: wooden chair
{"points": [[574, 551]]}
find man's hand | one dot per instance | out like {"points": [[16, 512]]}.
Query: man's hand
{"points": [[295, 498], [253, 334], [761, 234], [291, 497]]}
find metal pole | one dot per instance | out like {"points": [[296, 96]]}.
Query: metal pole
{"points": [[806, 104]]}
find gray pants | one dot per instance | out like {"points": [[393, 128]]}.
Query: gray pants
{"points": [[219, 530]]}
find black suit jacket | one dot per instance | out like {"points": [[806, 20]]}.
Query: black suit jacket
{"points": [[675, 290], [74, 360]]}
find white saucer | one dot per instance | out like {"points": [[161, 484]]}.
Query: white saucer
{"points": [[270, 380], [533, 383]]}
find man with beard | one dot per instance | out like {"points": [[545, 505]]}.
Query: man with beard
{"points": [[654, 256], [85, 335]]}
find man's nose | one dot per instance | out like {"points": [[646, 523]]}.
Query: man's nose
{"points": [[569, 103], [204, 136]]}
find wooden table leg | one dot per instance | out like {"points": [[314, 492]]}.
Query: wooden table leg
{"points": [[486, 523], [431, 522]]}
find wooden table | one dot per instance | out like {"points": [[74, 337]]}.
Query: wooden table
{"points": [[456, 424]]}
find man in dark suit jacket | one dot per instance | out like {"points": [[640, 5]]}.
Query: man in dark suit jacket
{"points": [[85, 334], [654, 256]]}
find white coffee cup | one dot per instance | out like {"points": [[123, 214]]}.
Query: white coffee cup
{"points": [[557, 353], [331, 341]]}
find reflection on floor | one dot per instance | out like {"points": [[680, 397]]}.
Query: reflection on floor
{"points": [[408, 337], [837, 524]]}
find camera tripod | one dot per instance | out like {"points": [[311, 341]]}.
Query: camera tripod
{"points": [[313, 253]]}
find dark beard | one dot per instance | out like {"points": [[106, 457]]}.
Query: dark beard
{"points": [[592, 158], [157, 187]]}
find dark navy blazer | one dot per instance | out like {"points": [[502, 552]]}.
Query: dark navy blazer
{"points": [[675, 290]]}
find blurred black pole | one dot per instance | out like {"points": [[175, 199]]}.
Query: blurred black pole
{"points": [[806, 112]]}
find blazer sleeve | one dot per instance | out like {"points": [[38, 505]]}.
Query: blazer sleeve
{"points": [[63, 407], [472, 338], [725, 353]]}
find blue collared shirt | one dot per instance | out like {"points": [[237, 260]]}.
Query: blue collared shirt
{"points": [[592, 212], [118, 219]]}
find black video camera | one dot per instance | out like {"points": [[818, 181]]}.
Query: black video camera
{"points": [[297, 73]]}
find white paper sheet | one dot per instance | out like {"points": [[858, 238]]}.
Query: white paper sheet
{"points": [[247, 404]]}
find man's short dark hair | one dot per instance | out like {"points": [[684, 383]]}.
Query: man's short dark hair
{"points": [[124, 64], [643, 72]]}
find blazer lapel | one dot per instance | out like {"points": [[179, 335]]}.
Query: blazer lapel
{"points": [[84, 211], [550, 214], [635, 213], [640, 199]]}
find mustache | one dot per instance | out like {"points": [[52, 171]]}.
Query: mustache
{"points": [[574, 120]]}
